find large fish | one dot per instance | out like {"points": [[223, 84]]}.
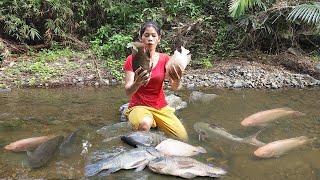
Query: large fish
{"points": [[140, 56], [71, 144], [206, 130], [139, 138], [263, 117], [180, 57], [135, 158], [280, 147], [44, 152], [171, 147], [185, 167], [27, 144]]}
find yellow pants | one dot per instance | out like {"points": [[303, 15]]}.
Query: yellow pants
{"points": [[163, 118]]}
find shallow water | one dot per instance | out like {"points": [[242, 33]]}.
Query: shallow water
{"points": [[29, 113]]}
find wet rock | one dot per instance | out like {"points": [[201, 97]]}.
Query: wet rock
{"points": [[176, 102], [238, 84], [197, 96]]}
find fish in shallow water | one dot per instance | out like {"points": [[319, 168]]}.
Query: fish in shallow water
{"points": [[206, 130], [136, 158], [143, 138], [71, 144], [27, 144], [140, 56], [185, 167], [263, 117], [171, 147], [280, 147], [44, 152]]}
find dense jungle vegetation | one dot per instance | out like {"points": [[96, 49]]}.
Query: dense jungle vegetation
{"points": [[209, 28]]}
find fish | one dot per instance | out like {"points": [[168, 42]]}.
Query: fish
{"points": [[44, 152], [139, 138], [280, 147], [140, 55], [70, 144], [206, 130], [136, 158], [172, 147], [27, 144], [180, 57], [263, 117], [184, 167]]}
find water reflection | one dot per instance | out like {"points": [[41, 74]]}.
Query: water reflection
{"points": [[29, 113]]}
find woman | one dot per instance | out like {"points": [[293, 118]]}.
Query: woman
{"points": [[148, 107]]}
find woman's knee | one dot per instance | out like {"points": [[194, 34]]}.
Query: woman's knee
{"points": [[145, 124]]}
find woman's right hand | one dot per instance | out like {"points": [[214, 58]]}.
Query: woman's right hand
{"points": [[141, 77]]}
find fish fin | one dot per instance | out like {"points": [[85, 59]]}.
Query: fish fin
{"points": [[29, 153], [109, 171], [92, 169], [140, 168], [253, 139], [188, 175], [201, 149]]}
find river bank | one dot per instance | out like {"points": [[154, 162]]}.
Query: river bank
{"points": [[83, 69]]}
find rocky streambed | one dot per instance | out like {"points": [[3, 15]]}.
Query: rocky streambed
{"points": [[82, 71]]}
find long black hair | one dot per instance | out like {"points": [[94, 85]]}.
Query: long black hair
{"points": [[149, 24]]}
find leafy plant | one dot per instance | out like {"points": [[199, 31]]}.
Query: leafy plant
{"points": [[308, 13], [238, 7]]}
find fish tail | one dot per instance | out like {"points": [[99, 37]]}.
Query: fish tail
{"points": [[298, 114], [92, 169], [253, 139]]}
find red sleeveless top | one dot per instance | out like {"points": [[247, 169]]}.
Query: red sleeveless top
{"points": [[152, 93]]}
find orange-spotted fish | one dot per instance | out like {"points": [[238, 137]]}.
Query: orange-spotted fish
{"points": [[263, 117]]}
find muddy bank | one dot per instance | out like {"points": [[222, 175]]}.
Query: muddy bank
{"points": [[80, 70]]}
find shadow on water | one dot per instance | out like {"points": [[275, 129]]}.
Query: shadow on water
{"points": [[38, 112]]}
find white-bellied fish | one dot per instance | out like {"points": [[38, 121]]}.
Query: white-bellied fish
{"points": [[136, 158], [172, 147], [27, 144], [181, 57], [206, 130], [140, 138], [263, 117], [185, 167], [280, 147]]}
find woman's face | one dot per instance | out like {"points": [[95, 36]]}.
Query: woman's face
{"points": [[150, 38]]}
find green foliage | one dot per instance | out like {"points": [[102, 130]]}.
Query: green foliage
{"points": [[206, 62], [238, 7], [308, 13]]}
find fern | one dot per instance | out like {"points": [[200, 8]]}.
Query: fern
{"points": [[307, 13], [238, 7]]}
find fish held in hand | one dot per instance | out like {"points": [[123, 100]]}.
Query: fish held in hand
{"points": [[206, 130], [181, 58], [27, 144], [263, 117], [185, 167], [171, 147], [44, 152], [140, 56], [280, 147]]}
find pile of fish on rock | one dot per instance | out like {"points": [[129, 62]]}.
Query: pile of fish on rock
{"points": [[40, 150], [260, 119], [160, 154]]}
